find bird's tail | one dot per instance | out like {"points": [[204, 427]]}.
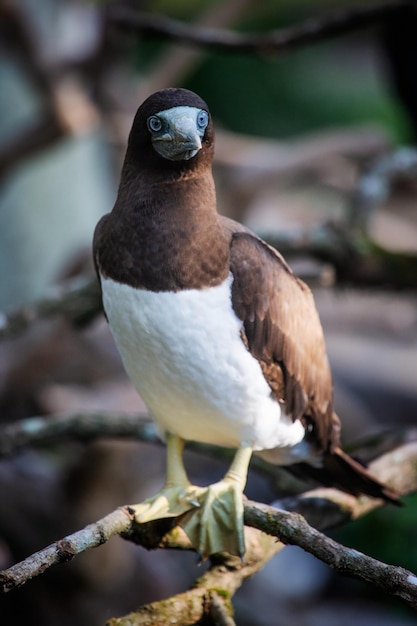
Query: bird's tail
{"points": [[342, 471]]}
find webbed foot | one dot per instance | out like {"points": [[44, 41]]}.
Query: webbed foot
{"points": [[212, 516], [217, 524]]}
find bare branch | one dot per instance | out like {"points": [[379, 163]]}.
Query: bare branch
{"points": [[88, 426], [78, 426], [121, 522], [293, 529], [79, 301], [65, 549], [289, 527], [311, 31], [174, 64]]}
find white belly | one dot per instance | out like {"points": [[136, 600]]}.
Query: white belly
{"points": [[184, 354]]}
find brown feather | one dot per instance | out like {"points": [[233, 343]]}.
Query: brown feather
{"points": [[283, 331]]}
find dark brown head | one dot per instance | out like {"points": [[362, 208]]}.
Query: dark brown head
{"points": [[172, 130]]}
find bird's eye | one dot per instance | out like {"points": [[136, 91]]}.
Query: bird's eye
{"points": [[154, 124], [202, 119]]}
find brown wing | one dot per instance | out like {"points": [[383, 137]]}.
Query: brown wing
{"points": [[282, 329]]}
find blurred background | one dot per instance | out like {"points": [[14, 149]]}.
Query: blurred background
{"points": [[315, 151]]}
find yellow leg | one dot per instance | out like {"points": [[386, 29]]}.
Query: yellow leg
{"points": [[177, 495]]}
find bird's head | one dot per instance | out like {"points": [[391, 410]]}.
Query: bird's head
{"points": [[172, 125]]}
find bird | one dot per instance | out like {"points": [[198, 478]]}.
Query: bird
{"points": [[220, 338]]}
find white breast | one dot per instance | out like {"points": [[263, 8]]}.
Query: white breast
{"points": [[184, 354]]}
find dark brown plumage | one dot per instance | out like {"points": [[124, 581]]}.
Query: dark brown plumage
{"points": [[165, 235]]}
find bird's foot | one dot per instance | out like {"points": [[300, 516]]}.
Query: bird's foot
{"points": [[171, 501], [212, 516], [217, 524]]}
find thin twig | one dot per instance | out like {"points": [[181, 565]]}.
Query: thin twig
{"points": [[310, 31]]}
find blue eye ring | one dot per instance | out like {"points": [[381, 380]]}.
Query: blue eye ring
{"points": [[154, 124], [202, 119]]}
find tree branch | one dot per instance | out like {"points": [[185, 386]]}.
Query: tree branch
{"points": [[310, 31], [65, 549], [89, 426], [174, 63], [78, 426], [78, 301], [290, 527]]}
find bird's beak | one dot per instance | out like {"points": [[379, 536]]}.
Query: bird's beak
{"points": [[185, 137]]}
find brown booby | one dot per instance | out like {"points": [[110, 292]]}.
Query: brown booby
{"points": [[220, 338]]}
